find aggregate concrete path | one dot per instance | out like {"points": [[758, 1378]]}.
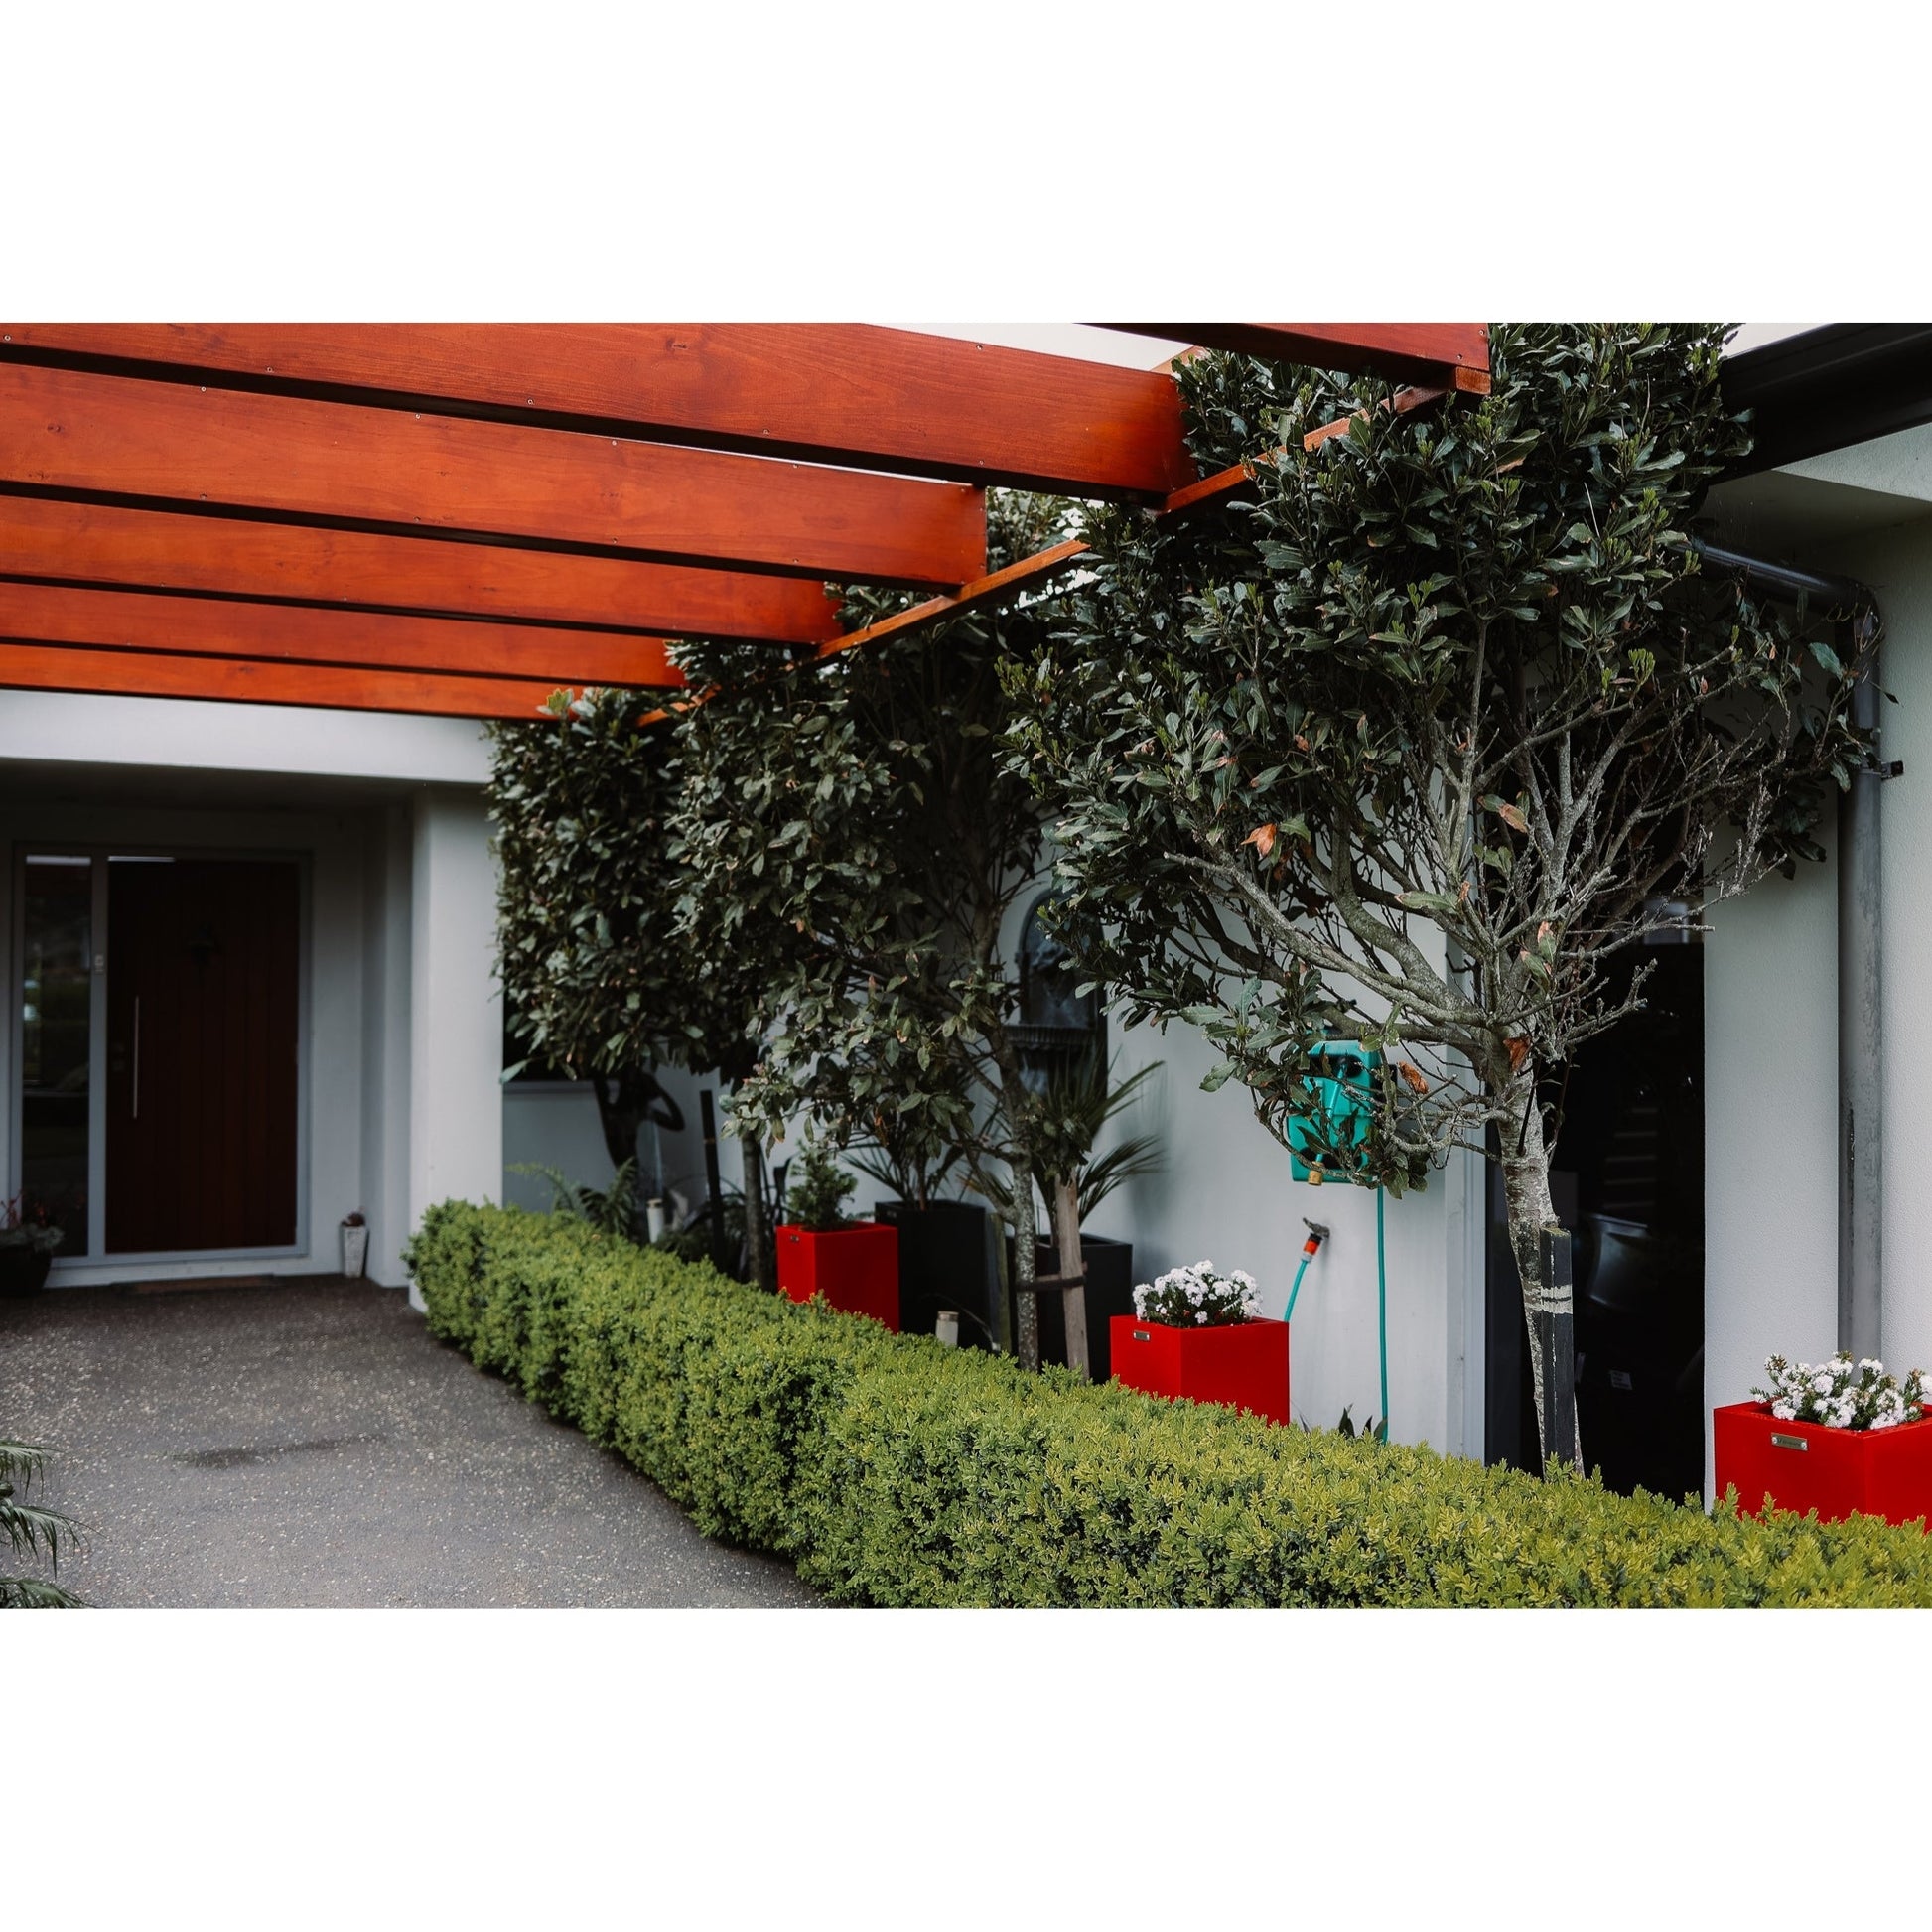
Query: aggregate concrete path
{"points": [[307, 1443]]}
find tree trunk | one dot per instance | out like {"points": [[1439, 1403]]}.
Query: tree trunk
{"points": [[1066, 1230], [1549, 1310], [761, 1255], [1025, 1303]]}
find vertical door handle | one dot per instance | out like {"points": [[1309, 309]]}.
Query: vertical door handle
{"points": [[137, 1056]]}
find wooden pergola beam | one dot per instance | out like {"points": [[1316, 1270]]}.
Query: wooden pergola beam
{"points": [[204, 628], [172, 445], [1431, 355], [237, 680], [1210, 492], [1041, 568], [844, 393], [101, 544]]}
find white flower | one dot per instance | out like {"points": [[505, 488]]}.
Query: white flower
{"points": [[1784, 1411]]}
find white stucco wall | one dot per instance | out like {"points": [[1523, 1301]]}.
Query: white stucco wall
{"points": [[456, 1005], [287, 740], [556, 1125], [387, 852], [1771, 991], [1225, 1193]]}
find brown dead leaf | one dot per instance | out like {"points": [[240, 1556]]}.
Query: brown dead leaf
{"points": [[1519, 1051], [1511, 817], [1261, 838], [1411, 1075]]}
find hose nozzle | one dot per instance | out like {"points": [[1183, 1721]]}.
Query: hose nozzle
{"points": [[1318, 1234]]}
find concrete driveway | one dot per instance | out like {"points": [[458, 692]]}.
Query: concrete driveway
{"points": [[305, 1443]]}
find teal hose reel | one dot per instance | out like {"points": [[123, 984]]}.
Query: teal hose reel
{"points": [[1327, 1140]]}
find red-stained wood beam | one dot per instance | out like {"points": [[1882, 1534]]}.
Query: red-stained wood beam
{"points": [[830, 392], [1404, 402], [1209, 494], [100, 544], [1431, 354], [232, 680], [1041, 568], [210, 627], [170, 444]]}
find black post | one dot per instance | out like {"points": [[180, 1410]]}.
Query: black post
{"points": [[1556, 1340], [708, 1115]]}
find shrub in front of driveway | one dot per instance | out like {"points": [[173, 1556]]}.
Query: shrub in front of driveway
{"points": [[895, 1471]]}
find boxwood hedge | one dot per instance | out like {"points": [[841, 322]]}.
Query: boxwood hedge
{"points": [[894, 1471]]}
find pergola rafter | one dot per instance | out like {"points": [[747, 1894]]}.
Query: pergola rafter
{"points": [[106, 546], [49, 614], [460, 518], [834, 393], [171, 443]]}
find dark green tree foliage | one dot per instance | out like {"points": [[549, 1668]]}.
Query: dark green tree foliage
{"points": [[602, 977], [866, 805], [1400, 752]]}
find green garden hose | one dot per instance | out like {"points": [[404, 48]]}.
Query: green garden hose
{"points": [[1316, 1235], [1382, 1304]]}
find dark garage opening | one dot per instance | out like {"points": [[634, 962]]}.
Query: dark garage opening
{"points": [[1628, 1182]]}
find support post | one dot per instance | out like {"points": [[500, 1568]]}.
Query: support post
{"points": [[1860, 1083], [708, 1116], [1556, 1340]]}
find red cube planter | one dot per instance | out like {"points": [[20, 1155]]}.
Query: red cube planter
{"points": [[1806, 1465], [1243, 1364], [856, 1269]]}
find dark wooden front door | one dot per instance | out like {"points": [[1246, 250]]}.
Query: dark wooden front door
{"points": [[202, 1046]]}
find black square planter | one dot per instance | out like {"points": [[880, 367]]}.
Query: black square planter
{"points": [[946, 1260], [1109, 1266]]}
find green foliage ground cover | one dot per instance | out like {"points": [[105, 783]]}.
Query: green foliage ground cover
{"points": [[895, 1471]]}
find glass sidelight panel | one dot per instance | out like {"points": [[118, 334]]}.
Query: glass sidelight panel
{"points": [[57, 1038]]}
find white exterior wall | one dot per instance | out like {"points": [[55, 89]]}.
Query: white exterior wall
{"points": [[1772, 986], [385, 1056], [1224, 1192], [554, 1124], [456, 1007]]}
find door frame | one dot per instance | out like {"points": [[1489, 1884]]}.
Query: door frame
{"points": [[96, 1258]]}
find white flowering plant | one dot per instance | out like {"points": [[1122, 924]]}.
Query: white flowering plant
{"points": [[1196, 1297], [1842, 1393]]}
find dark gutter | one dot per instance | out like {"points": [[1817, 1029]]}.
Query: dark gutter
{"points": [[1829, 387]]}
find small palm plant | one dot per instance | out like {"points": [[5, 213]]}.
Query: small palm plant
{"points": [[610, 1210], [30, 1529], [1077, 1103]]}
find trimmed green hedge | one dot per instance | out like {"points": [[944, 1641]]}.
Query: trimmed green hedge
{"points": [[894, 1471]]}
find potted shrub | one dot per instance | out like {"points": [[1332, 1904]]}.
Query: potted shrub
{"points": [[1843, 1439], [28, 1239], [854, 1265], [1200, 1335]]}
